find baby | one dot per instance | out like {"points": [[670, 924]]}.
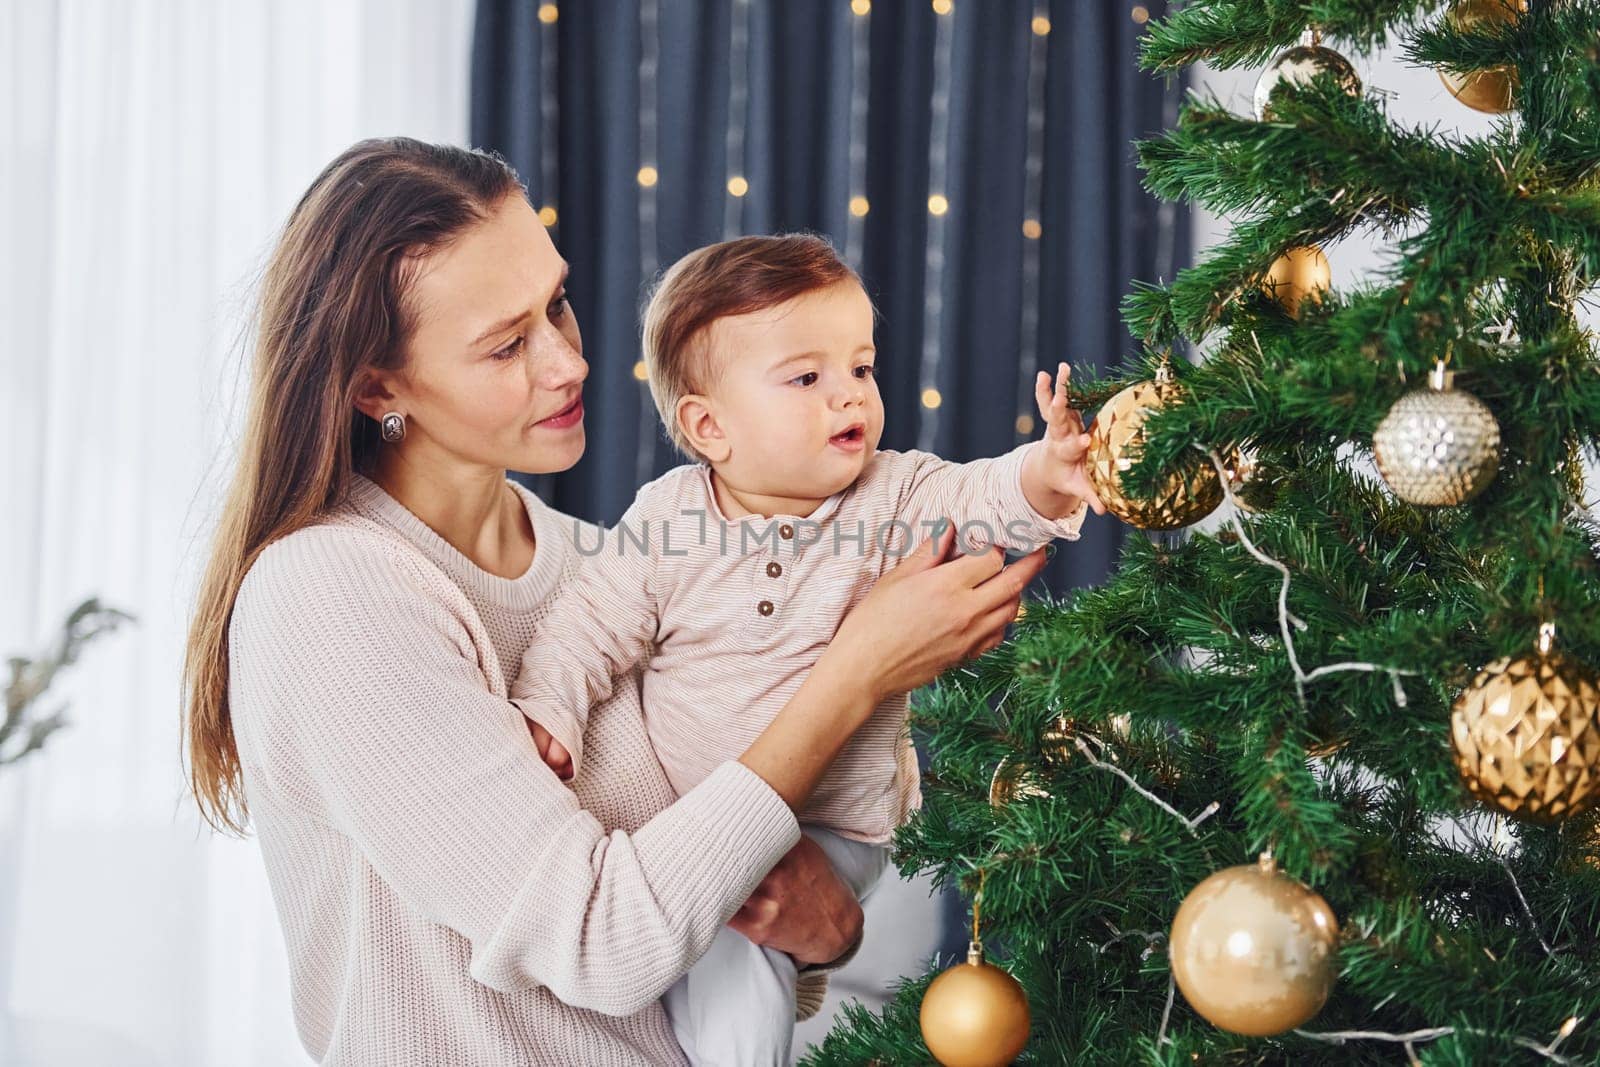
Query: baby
{"points": [[728, 577]]}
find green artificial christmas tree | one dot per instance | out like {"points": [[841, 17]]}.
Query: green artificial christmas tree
{"points": [[1316, 786]]}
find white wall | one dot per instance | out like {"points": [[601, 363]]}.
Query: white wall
{"points": [[149, 150]]}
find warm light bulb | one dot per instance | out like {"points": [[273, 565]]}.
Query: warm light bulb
{"points": [[647, 176], [547, 215], [640, 371], [548, 13], [738, 186], [1031, 229], [931, 398], [937, 204], [858, 206], [1041, 25]]}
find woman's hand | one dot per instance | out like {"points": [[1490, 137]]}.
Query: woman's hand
{"points": [[927, 615], [922, 617], [802, 907]]}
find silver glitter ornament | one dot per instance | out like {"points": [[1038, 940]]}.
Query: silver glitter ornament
{"points": [[1439, 445], [1296, 67]]}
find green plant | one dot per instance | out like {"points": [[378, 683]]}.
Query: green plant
{"points": [[25, 729]]}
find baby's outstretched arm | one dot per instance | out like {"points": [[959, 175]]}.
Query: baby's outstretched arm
{"points": [[1025, 498], [1055, 476]]}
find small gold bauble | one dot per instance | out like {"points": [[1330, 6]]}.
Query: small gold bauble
{"points": [[975, 1014], [1437, 446], [1188, 494], [1014, 779], [1526, 733], [1299, 274], [1253, 950], [1493, 90], [1296, 67]]}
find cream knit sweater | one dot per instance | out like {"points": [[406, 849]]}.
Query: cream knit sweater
{"points": [[445, 899]]}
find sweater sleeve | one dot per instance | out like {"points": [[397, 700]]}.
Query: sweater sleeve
{"points": [[984, 498], [602, 624], [359, 700]]}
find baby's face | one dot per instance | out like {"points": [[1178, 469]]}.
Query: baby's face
{"points": [[795, 394]]}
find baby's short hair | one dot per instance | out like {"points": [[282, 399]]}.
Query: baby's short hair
{"points": [[732, 278]]}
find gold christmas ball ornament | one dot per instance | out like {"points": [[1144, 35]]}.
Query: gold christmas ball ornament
{"points": [[1014, 779], [1253, 950], [1493, 90], [1299, 274], [1298, 66], [1189, 493], [1437, 446], [1526, 733], [975, 1014]]}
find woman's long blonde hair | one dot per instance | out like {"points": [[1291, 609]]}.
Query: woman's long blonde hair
{"points": [[332, 306]]}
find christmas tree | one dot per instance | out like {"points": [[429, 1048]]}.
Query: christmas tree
{"points": [[1353, 731]]}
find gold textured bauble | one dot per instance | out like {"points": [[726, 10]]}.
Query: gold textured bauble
{"points": [[1187, 495], [1493, 90], [1526, 733], [975, 1015], [1437, 446], [1253, 950], [1299, 274], [1296, 67]]}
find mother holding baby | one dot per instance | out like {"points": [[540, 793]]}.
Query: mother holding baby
{"points": [[445, 897]]}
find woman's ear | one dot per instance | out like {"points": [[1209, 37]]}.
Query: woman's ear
{"points": [[373, 397], [697, 421]]}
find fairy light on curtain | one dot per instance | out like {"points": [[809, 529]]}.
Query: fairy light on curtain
{"points": [[1032, 181], [938, 207], [738, 117], [549, 147], [860, 91], [649, 58]]}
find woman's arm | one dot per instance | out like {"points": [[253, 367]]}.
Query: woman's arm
{"points": [[358, 701]]}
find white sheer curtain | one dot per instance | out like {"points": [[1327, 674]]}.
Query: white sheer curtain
{"points": [[151, 148]]}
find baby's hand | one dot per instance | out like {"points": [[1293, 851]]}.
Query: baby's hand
{"points": [[1065, 443], [553, 752]]}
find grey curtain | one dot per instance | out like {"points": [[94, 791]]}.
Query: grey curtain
{"points": [[766, 90]]}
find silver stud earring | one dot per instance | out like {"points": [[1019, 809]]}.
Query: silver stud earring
{"points": [[394, 427]]}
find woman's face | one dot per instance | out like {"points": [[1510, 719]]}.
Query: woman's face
{"points": [[495, 371]]}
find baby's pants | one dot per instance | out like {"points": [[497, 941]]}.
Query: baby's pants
{"points": [[735, 1007]]}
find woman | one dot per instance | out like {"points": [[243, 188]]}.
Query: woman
{"points": [[446, 898]]}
